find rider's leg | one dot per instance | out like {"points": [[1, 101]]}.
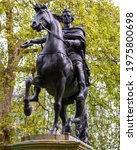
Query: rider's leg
{"points": [[81, 80]]}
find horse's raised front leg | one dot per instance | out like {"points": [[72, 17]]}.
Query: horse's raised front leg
{"points": [[60, 87], [35, 98], [27, 107]]}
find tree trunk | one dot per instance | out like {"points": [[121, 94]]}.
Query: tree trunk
{"points": [[8, 77]]}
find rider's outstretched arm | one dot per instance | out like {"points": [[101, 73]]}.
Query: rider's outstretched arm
{"points": [[33, 41], [38, 40]]}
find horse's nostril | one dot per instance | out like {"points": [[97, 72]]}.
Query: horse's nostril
{"points": [[34, 24]]}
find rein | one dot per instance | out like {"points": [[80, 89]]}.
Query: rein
{"points": [[53, 34]]}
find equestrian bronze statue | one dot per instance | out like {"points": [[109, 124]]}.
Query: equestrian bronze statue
{"points": [[61, 69]]}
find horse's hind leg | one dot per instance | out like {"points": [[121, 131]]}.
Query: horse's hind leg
{"points": [[80, 105], [81, 120], [27, 107], [66, 126], [60, 87], [63, 115]]}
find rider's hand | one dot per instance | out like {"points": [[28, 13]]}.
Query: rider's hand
{"points": [[69, 42], [26, 44]]}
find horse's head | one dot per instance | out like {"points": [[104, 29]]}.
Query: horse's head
{"points": [[42, 18]]}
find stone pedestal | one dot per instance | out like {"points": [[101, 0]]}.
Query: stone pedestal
{"points": [[50, 142]]}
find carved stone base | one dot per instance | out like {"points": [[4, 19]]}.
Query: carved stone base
{"points": [[50, 142]]}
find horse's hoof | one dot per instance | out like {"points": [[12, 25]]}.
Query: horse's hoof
{"points": [[63, 130], [28, 111], [53, 131]]}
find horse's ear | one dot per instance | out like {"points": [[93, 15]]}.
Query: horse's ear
{"points": [[43, 6], [36, 7], [58, 17]]}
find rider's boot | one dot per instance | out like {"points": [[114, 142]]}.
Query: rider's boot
{"points": [[81, 91], [81, 78]]}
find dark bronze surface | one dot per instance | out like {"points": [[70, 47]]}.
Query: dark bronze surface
{"points": [[61, 69]]}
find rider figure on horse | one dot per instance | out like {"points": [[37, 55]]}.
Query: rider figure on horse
{"points": [[75, 39]]}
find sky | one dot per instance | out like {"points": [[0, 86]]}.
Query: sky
{"points": [[116, 2]]}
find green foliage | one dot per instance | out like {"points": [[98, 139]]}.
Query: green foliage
{"points": [[100, 20]]}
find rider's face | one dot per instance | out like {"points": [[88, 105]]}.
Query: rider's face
{"points": [[67, 17]]}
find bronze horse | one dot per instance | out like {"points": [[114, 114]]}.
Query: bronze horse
{"points": [[55, 73]]}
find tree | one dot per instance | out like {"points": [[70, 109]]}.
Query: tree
{"points": [[100, 20], [11, 54]]}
